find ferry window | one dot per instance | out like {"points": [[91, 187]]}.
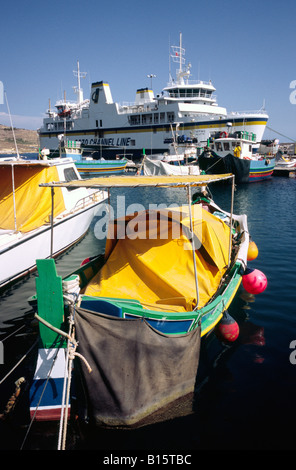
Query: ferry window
{"points": [[135, 119], [97, 123], [162, 117], [250, 148], [171, 117], [156, 116]]}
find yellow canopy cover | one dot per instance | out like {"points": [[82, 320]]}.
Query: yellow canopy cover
{"points": [[32, 203], [149, 258]]}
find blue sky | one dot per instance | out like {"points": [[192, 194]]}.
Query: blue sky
{"points": [[247, 49]]}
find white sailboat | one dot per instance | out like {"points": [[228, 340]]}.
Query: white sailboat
{"points": [[31, 226]]}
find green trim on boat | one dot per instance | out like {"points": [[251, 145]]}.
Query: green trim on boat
{"points": [[50, 302]]}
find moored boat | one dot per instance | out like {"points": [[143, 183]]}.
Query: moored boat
{"points": [[86, 165], [269, 147], [235, 153], [285, 165], [161, 167], [165, 281], [89, 166], [31, 225]]}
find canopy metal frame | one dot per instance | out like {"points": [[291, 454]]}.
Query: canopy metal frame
{"points": [[155, 181]]}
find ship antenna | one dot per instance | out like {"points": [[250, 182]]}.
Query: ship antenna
{"points": [[180, 70], [178, 57], [77, 89]]}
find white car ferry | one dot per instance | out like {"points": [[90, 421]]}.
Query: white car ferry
{"points": [[109, 128]]}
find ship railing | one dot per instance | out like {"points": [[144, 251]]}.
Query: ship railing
{"points": [[95, 196], [239, 113], [191, 95], [189, 82], [129, 108]]}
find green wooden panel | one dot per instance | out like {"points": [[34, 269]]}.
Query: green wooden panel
{"points": [[50, 304]]}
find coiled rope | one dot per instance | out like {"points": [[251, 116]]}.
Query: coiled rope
{"points": [[12, 400]]}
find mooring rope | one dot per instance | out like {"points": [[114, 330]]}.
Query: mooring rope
{"points": [[19, 362]]}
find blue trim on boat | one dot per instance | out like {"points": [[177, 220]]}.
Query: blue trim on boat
{"points": [[52, 394], [102, 306], [166, 326]]}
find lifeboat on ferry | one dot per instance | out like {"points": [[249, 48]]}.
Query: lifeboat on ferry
{"points": [[63, 111]]}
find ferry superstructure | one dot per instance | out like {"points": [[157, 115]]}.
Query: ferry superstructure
{"points": [[188, 108]]}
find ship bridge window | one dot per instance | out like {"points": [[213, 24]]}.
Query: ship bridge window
{"points": [[226, 146], [156, 117], [174, 93], [218, 146], [162, 117]]}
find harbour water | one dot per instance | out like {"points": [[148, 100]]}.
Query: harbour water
{"points": [[246, 391]]}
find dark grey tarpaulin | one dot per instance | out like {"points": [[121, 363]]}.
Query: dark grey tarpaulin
{"points": [[136, 371], [239, 167]]}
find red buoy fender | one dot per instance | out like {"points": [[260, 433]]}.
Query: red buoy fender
{"points": [[223, 134], [254, 281], [227, 329]]}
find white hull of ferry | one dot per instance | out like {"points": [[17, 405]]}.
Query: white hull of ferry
{"points": [[136, 141], [183, 108]]}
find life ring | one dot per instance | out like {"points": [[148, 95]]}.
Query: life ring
{"points": [[223, 134]]}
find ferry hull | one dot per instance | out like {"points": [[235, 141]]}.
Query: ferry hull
{"points": [[137, 140]]}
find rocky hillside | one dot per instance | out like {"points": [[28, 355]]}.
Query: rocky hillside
{"points": [[27, 140]]}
